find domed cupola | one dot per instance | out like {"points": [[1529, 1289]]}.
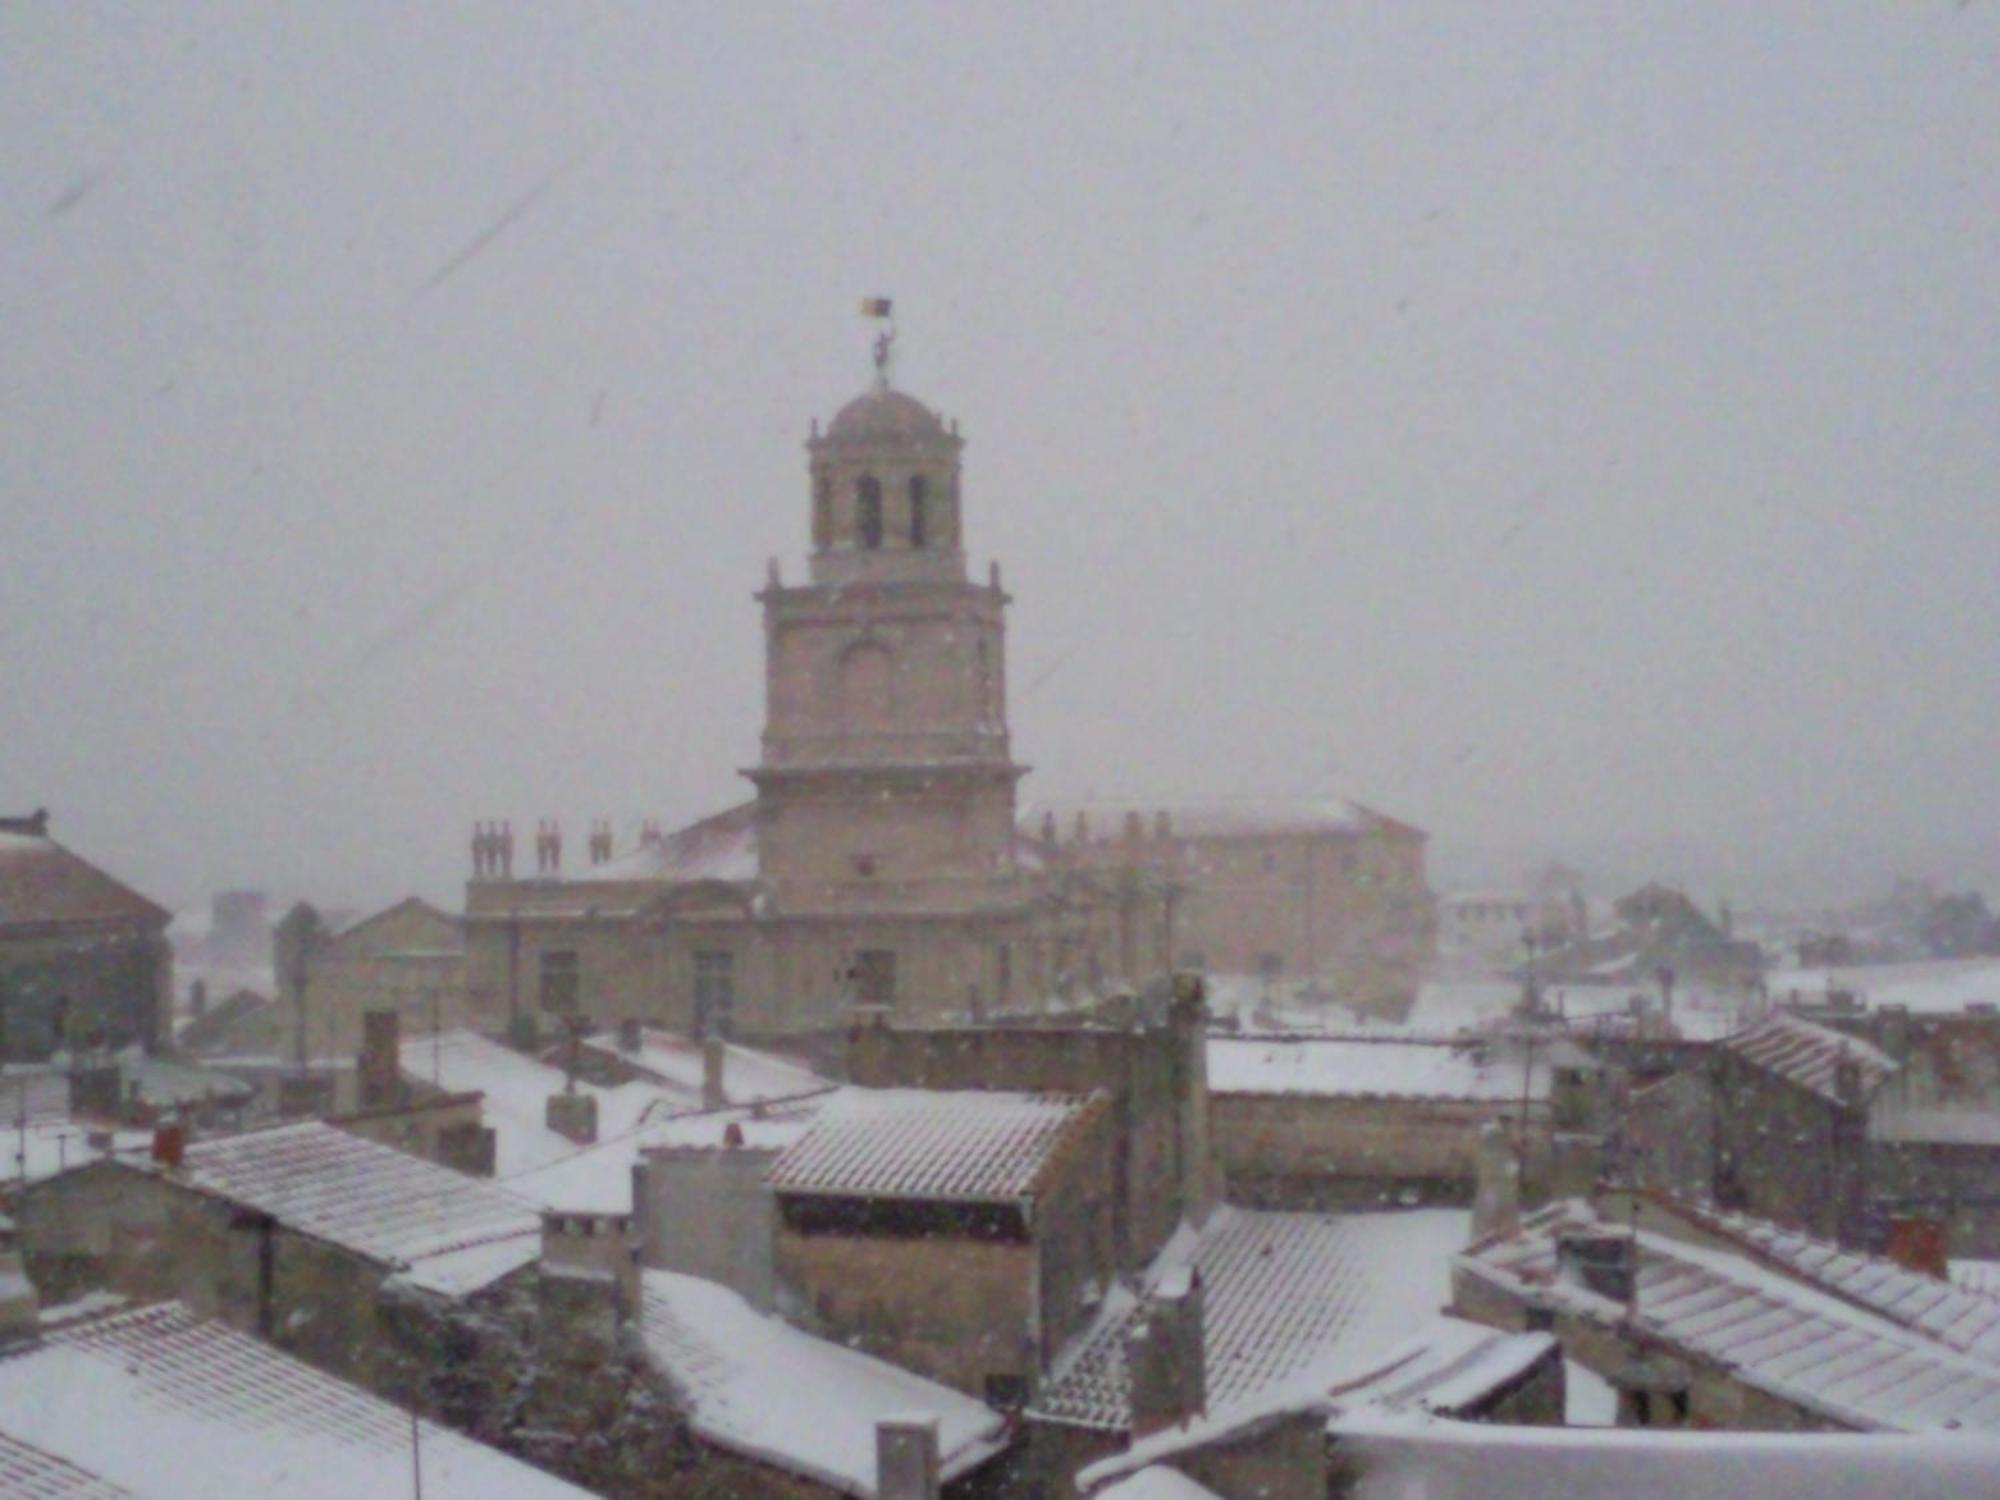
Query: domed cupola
{"points": [[885, 491]]}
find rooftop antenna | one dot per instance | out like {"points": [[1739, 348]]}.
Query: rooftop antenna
{"points": [[881, 310]]}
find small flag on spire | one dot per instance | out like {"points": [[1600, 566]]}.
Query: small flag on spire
{"points": [[875, 307]]}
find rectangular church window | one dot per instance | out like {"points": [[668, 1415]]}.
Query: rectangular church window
{"points": [[714, 992], [561, 988]]}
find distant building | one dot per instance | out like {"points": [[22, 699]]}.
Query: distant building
{"points": [[1328, 895], [879, 863], [84, 960], [408, 958]]}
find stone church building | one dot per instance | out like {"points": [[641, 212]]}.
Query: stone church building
{"points": [[880, 861]]}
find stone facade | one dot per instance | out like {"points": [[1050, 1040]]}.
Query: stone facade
{"points": [[880, 863], [409, 959]]}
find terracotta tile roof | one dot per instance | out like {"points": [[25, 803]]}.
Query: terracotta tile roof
{"points": [[1961, 1319], [442, 1230], [961, 1146], [1847, 1365], [163, 1405], [43, 884], [1284, 1296], [1805, 1053]]}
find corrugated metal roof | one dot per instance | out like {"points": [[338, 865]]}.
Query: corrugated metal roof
{"points": [[1807, 1054], [27, 1473], [446, 1231], [1846, 1364], [961, 1146]]}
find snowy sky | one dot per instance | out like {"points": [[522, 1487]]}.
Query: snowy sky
{"points": [[1567, 426]]}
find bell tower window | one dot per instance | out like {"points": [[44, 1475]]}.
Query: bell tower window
{"points": [[868, 494], [919, 521], [822, 512]]}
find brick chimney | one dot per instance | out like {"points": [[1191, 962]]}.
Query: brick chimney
{"points": [[170, 1144], [1917, 1244], [713, 1052], [631, 1034], [1605, 1261], [906, 1458], [1165, 1355], [590, 1272], [573, 1115], [381, 1060]]}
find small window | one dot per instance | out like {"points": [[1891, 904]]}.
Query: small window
{"points": [[1679, 1402], [919, 522], [875, 976], [714, 992], [561, 980], [868, 519], [822, 512]]}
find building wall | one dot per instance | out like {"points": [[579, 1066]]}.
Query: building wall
{"points": [[955, 1309], [1155, 1075], [1786, 1153], [1307, 1151], [708, 1214], [62, 989]]}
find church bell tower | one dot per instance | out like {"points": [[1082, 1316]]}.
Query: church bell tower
{"points": [[886, 781]]}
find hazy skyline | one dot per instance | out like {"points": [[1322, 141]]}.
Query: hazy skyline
{"points": [[1566, 428]]}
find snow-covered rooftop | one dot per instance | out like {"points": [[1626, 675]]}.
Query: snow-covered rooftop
{"points": [[42, 884], [1808, 1055], [960, 1146], [1286, 1298], [757, 1386], [1795, 1341], [517, 1088], [722, 847], [1961, 1319], [1226, 818], [439, 1229], [1368, 1068], [675, 1062], [598, 1179], [1156, 1482], [161, 1405], [1930, 987]]}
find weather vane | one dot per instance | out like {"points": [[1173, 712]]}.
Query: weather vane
{"points": [[885, 341]]}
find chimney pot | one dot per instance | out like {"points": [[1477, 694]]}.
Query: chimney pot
{"points": [[170, 1144], [713, 1052], [906, 1458]]}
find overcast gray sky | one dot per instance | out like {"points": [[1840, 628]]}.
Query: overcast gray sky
{"points": [[1567, 426]]}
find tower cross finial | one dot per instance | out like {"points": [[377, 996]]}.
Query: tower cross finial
{"points": [[885, 341]]}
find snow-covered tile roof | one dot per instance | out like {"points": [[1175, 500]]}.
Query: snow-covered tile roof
{"points": [[748, 1076], [1967, 1321], [1367, 1068], [162, 1405], [598, 1179], [441, 1230], [1799, 1343], [42, 883], [1806, 1054], [1285, 1298], [27, 1473], [1930, 987], [1155, 1482], [757, 1386], [722, 847], [1227, 818], [1979, 1277], [1450, 1367], [517, 1088], [959, 1146]]}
